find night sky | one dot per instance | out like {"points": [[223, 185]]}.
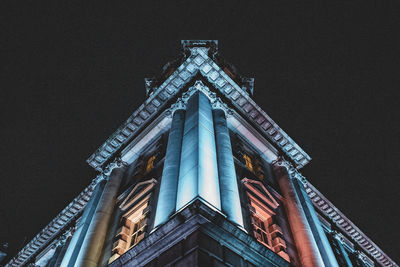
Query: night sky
{"points": [[328, 74]]}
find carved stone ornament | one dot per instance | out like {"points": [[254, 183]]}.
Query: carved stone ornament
{"points": [[117, 162], [291, 170], [180, 104], [338, 236], [100, 177]]}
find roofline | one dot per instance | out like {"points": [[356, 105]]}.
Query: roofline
{"points": [[198, 62], [323, 205], [54, 228]]}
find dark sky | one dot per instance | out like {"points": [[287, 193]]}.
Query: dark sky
{"points": [[328, 74]]}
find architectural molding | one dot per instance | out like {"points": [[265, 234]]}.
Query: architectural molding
{"points": [[325, 207], [67, 216], [248, 183], [180, 104], [198, 62], [127, 202], [292, 170], [197, 215], [153, 118]]}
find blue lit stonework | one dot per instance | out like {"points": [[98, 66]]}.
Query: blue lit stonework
{"points": [[200, 175]]}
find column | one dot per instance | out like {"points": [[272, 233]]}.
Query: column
{"points": [[319, 235], [230, 201], [169, 182], [62, 253], [198, 173], [60, 247], [81, 228], [338, 239], [92, 245], [306, 246]]}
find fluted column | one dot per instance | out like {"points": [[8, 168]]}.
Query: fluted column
{"points": [[198, 174], [94, 240], [230, 201], [307, 248], [169, 182], [81, 228]]}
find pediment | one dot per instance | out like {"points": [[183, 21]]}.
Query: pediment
{"points": [[198, 63], [258, 189], [139, 191]]}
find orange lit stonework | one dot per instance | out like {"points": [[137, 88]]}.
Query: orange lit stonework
{"points": [[262, 206], [134, 220]]}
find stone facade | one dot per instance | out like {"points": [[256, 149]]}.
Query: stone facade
{"points": [[200, 175]]}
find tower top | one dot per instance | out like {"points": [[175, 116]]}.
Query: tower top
{"points": [[212, 44], [199, 62]]}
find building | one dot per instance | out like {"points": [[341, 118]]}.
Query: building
{"points": [[200, 175]]}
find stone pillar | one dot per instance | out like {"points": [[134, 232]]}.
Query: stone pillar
{"points": [[307, 248], [62, 253], [319, 235], [339, 241], [169, 182], [60, 247], [198, 173], [81, 228], [230, 200], [92, 245]]}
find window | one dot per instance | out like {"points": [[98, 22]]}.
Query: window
{"points": [[249, 164], [150, 163], [254, 165], [134, 221], [262, 206], [138, 230], [258, 170]]}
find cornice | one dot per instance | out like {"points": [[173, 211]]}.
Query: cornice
{"points": [[325, 207], [198, 62], [62, 220], [53, 229]]}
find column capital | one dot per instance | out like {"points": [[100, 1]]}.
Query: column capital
{"points": [[361, 255], [282, 162], [293, 173], [297, 175], [338, 236], [116, 163], [180, 104], [61, 240], [217, 103], [99, 178]]}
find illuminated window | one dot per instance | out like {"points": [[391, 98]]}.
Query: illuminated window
{"points": [[262, 206], [248, 163], [150, 163], [134, 221], [138, 231], [258, 169]]}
